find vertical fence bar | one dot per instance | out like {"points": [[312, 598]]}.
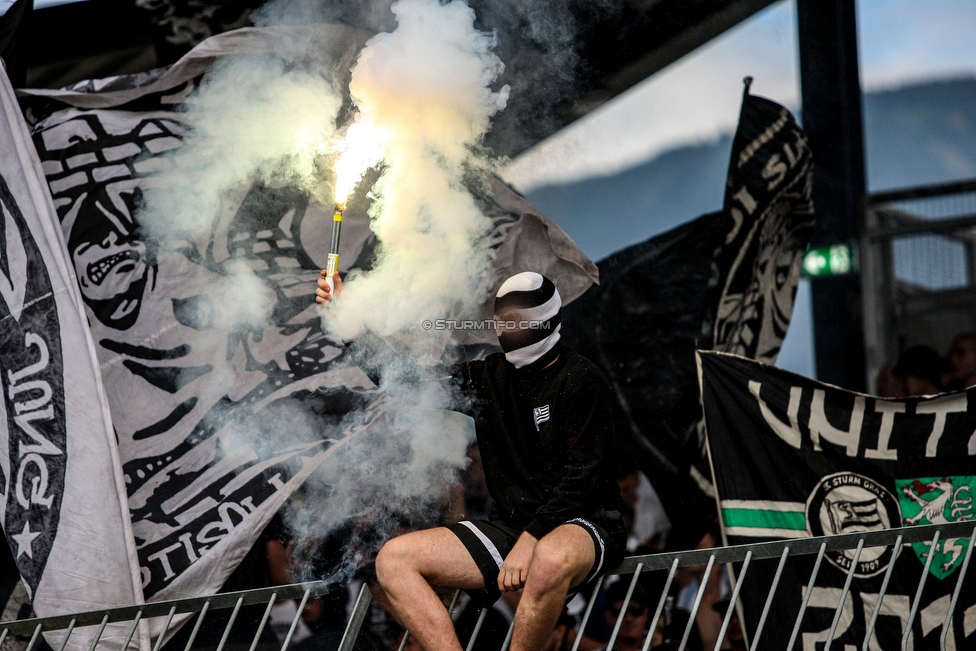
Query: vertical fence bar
{"points": [[356, 619], [586, 617], [98, 633], [769, 598], [881, 593], [196, 625], [843, 595], [806, 598], [660, 606], [947, 624], [132, 629], [734, 598], [230, 624], [67, 634], [37, 633], [477, 629], [162, 634], [264, 621], [918, 593], [511, 628], [403, 640], [294, 622], [698, 598], [5, 632], [623, 608]]}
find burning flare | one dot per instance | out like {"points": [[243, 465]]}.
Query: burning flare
{"points": [[360, 149]]}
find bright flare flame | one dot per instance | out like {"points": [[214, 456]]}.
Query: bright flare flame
{"points": [[362, 147]]}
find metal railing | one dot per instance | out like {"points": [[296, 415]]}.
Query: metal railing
{"points": [[918, 269], [635, 565]]}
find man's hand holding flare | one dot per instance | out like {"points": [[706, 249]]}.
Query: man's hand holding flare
{"points": [[324, 294]]}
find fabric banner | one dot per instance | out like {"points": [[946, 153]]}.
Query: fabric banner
{"points": [[726, 281], [794, 458], [218, 420], [62, 505]]}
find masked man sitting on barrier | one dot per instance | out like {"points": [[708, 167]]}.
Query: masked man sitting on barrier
{"points": [[544, 422]]}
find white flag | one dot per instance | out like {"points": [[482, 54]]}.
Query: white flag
{"points": [[63, 506]]}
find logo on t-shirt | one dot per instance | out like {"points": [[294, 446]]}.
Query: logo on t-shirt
{"points": [[540, 415]]}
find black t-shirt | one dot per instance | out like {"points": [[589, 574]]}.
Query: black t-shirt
{"points": [[545, 433]]}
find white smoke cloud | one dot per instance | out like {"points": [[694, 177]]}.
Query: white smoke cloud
{"points": [[425, 89]]}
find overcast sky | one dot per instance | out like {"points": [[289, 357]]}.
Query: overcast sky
{"points": [[697, 98]]}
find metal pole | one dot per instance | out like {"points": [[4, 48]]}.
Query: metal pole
{"points": [[735, 597], [698, 598], [162, 634], [264, 620], [660, 606], [356, 620], [230, 623], [623, 608], [98, 633], [806, 597], [37, 633], [843, 596], [67, 634], [586, 616], [294, 622], [128, 636], [196, 626], [477, 629], [947, 624], [769, 597], [881, 594], [918, 593]]}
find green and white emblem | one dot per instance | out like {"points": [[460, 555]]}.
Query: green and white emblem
{"points": [[938, 500]]}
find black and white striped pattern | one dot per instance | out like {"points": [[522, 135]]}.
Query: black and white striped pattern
{"points": [[540, 415], [528, 297]]}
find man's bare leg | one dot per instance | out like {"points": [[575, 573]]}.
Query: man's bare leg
{"points": [[561, 560], [406, 568]]}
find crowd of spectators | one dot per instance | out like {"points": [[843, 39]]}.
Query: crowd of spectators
{"points": [[921, 370]]}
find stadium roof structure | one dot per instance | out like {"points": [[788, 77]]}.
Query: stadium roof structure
{"points": [[619, 45]]}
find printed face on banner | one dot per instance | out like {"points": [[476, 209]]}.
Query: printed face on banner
{"points": [[185, 359]]}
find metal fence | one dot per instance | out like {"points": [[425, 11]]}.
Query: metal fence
{"points": [[918, 270], [635, 566]]}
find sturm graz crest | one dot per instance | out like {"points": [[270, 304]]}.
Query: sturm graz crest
{"points": [[33, 443], [846, 502], [938, 500]]}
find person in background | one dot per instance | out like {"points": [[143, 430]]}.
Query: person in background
{"points": [[558, 639], [887, 385], [921, 369], [636, 618], [734, 640], [962, 362]]}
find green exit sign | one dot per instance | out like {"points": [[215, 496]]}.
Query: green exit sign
{"points": [[833, 260]]}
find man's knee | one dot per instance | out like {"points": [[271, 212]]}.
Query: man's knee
{"points": [[394, 558], [555, 563]]}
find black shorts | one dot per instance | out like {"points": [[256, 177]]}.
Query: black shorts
{"points": [[490, 542]]}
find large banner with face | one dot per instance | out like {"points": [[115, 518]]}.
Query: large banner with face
{"points": [[794, 458], [220, 416]]}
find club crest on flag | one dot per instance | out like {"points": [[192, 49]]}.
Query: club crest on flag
{"points": [[846, 502], [540, 415], [938, 500]]}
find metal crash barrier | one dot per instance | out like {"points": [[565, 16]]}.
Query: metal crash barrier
{"points": [[635, 565]]}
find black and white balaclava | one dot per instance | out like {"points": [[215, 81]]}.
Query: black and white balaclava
{"points": [[527, 313]]}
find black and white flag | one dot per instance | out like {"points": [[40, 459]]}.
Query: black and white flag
{"points": [[794, 458], [62, 496], [725, 281], [205, 406]]}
